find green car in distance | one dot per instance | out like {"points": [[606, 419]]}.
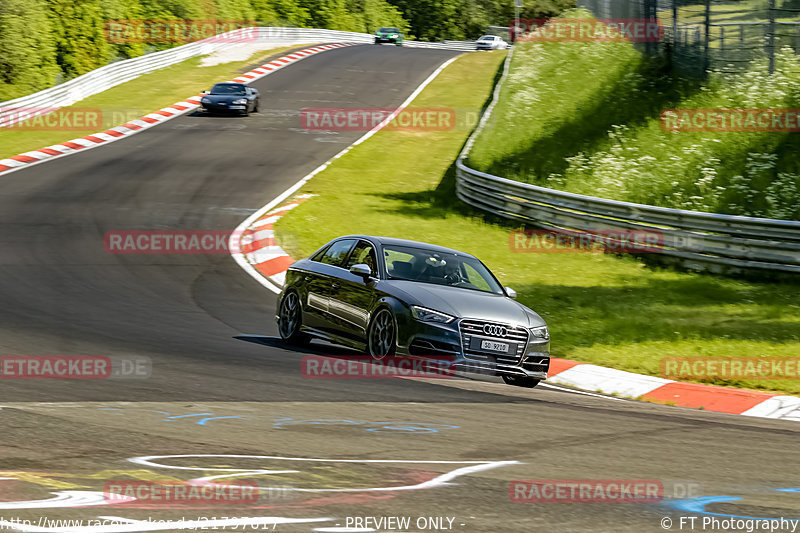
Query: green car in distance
{"points": [[389, 35]]}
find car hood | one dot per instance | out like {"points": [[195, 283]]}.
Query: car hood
{"points": [[466, 303]]}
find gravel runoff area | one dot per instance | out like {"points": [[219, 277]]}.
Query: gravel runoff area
{"points": [[242, 52]]}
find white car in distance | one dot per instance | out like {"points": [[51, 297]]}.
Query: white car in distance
{"points": [[490, 42]]}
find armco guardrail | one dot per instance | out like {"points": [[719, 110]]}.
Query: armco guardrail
{"points": [[700, 241], [114, 74]]}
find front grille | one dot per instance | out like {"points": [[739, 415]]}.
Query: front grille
{"points": [[475, 328]]}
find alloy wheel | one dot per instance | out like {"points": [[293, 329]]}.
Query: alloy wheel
{"points": [[289, 316], [382, 335]]}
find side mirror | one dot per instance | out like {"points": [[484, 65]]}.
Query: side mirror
{"points": [[511, 293], [361, 270]]}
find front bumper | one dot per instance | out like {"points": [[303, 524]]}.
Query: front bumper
{"points": [[379, 40], [452, 343], [212, 108]]}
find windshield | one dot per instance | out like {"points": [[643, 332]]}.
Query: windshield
{"points": [[228, 88], [439, 268], [389, 30], [487, 38]]}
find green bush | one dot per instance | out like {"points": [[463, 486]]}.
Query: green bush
{"points": [[27, 50], [738, 173], [585, 117]]}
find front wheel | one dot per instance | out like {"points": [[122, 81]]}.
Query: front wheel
{"points": [[521, 381], [382, 335], [290, 319]]}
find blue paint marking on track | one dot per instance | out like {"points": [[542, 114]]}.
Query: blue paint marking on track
{"points": [[202, 422], [376, 427], [205, 420], [280, 423], [698, 505]]}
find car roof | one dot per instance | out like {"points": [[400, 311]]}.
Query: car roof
{"points": [[230, 83], [405, 242]]}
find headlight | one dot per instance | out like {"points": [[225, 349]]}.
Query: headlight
{"points": [[429, 315], [205, 100], [539, 332], [240, 101]]}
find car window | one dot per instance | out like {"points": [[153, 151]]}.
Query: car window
{"points": [[438, 268], [398, 262], [475, 278], [321, 252], [337, 252], [364, 253], [227, 88]]}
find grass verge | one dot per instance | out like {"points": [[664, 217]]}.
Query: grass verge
{"points": [[601, 309], [131, 100], [559, 123]]}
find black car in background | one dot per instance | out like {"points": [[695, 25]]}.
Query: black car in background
{"points": [[230, 98], [394, 297]]}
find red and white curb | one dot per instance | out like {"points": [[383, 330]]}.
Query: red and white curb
{"points": [[27, 159], [666, 391], [257, 247]]}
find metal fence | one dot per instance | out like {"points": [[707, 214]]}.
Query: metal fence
{"points": [[111, 75], [699, 241], [713, 34]]}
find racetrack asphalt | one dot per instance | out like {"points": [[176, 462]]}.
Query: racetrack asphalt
{"points": [[208, 330]]}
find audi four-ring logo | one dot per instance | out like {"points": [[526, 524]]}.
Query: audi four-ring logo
{"points": [[495, 331]]}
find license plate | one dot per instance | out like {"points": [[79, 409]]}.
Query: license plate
{"points": [[494, 346], [237, 107]]}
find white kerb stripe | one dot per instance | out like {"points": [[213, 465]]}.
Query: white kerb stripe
{"points": [[609, 380]]}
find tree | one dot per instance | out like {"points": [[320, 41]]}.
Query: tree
{"points": [[27, 55], [79, 35], [124, 11]]}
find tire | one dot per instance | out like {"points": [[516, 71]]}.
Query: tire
{"points": [[382, 335], [290, 318], [255, 107], [521, 381]]}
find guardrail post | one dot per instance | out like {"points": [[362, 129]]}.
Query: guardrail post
{"points": [[771, 37], [707, 24], [797, 41]]}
